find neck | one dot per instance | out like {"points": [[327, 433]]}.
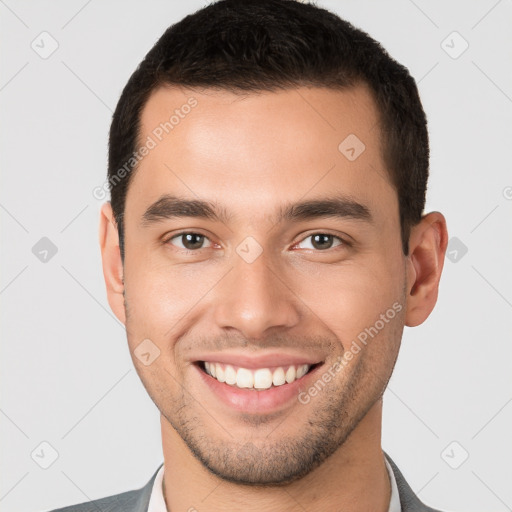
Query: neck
{"points": [[354, 478]]}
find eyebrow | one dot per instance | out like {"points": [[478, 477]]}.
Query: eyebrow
{"points": [[342, 207]]}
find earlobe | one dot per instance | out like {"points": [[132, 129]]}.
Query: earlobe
{"points": [[427, 248], [111, 261]]}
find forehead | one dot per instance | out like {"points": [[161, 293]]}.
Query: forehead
{"points": [[249, 151]]}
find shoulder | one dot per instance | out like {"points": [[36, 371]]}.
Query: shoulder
{"points": [[117, 502], [129, 501]]}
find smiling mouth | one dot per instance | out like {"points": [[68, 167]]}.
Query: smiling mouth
{"points": [[258, 379]]}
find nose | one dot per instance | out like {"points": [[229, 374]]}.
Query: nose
{"points": [[254, 298]]}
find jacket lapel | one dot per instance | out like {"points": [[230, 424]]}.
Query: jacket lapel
{"points": [[141, 504], [408, 500]]}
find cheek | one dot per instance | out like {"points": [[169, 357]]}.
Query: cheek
{"points": [[161, 297], [350, 297]]}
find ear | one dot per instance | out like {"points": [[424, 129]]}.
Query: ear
{"points": [[427, 248], [111, 261]]}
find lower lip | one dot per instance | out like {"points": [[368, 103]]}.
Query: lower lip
{"points": [[257, 401]]}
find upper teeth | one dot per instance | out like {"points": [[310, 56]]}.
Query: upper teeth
{"points": [[262, 378]]}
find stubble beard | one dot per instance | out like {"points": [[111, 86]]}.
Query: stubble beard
{"points": [[274, 460]]}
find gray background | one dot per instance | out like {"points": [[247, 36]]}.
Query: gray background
{"points": [[67, 378]]}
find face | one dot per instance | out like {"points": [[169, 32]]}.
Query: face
{"points": [[257, 244]]}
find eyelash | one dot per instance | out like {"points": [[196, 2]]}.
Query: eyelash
{"points": [[343, 241]]}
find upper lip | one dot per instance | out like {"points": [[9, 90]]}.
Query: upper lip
{"points": [[268, 359]]}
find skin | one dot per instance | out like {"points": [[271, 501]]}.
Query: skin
{"points": [[252, 154]]}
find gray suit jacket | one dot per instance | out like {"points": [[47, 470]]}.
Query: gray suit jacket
{"points": [[138, 500]]}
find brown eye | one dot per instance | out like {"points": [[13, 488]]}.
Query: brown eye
{"points": [[189, 241], [322, 241]]}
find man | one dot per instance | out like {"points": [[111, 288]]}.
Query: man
{"points": [[265, 245]]}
